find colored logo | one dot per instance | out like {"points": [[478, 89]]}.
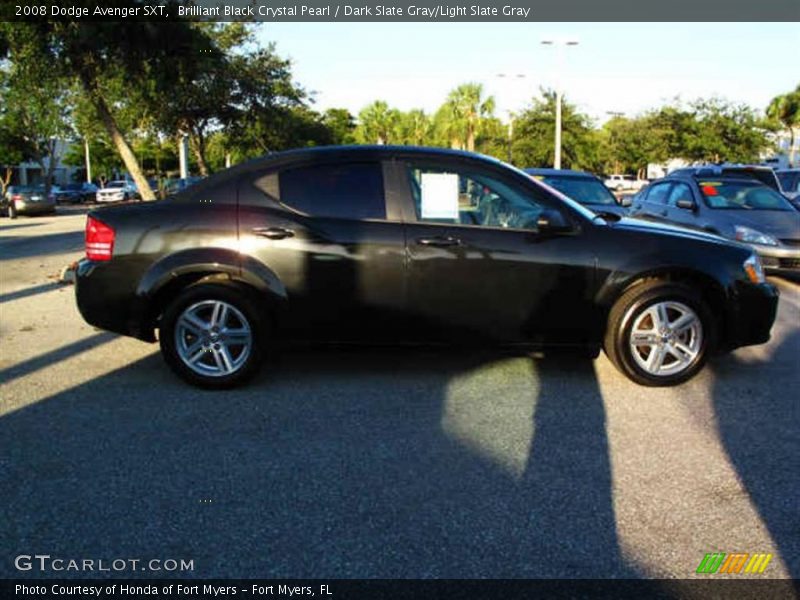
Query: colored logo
{"points": [[737, 562]]}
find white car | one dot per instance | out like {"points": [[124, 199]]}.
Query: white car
{"points": [[116, 191], [620, 183]]}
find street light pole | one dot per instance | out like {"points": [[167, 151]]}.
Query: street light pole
{"points": [[559, 45], [517, 77]]}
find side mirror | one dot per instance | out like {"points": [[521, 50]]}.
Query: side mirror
{"points": [[686, 204], [552, 221], [625, 201]]}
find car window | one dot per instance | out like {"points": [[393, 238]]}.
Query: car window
{"points": [[469, 197], [680, 191], [658, 194], [581, 189], [743, 195], [344, 191]]}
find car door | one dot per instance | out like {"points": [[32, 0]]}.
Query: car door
{"points": [[682, 215], [482, 264], [323, 229], [653, 205]]}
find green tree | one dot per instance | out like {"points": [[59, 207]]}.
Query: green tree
{"points": [[464, 111], [784, 112], [413, 128], [534, 145], [377, 123], [341, 124], [34, 107]]}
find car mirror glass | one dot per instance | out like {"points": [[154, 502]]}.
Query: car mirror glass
{"points": [[625, 201]]}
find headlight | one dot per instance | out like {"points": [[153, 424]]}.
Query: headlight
{"points": [[751, 236], [754, 270]]}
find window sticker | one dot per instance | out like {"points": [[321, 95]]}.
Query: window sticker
{"points": [[439, 196]]}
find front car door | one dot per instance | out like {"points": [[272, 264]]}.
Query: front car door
{"points": [[653, 206], [480, 267]]}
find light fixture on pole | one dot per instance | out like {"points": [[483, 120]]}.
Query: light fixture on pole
{"points": [[559, 45], [511, 77]]}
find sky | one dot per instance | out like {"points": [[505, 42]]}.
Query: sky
{"points": [[616, 67]]}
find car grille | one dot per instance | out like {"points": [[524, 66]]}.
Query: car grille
{"points": [[789, 263]]}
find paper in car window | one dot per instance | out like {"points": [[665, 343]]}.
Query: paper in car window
{"points": [[439, 196]]}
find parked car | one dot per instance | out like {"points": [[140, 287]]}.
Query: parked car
{"points": [[116, 191], [582, 187], [394, 244], [173, 186], [621, 183], [736, 207], [789, 180], [74, 193], [28, 200], [764, 175]]}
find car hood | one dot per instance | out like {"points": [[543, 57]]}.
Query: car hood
{"points": [[671, 230], [615, 209], [782, 224]]}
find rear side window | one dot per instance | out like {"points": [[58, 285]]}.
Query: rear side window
{"points": [[342, 191]]}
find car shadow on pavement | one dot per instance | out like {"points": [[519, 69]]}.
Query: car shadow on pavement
{"points": [[41, 245], [759, 431], [30, 291], [42, 361], [336, 464]]}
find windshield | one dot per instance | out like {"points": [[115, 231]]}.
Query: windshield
{"points": [[116, 184], [581, 189], [789, 181], [742, 195]]}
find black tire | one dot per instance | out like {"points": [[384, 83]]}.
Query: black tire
{"points": [[631, 306], [206, 292], [12, 210]]}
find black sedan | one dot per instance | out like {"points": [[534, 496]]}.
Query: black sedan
{"points": [[582, 187], [397, 244], [735, 207]]}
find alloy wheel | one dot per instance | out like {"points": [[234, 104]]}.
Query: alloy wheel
{"points": [[213, 338], [666, 338]]}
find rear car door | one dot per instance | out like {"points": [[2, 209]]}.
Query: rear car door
{"points": [[323, 229], [480, 268]]}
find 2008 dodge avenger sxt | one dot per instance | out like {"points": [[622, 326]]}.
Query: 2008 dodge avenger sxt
{"points": [[410, 245]]}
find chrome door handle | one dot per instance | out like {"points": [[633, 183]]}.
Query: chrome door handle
{"points": [[439, 241], [273, 233]]}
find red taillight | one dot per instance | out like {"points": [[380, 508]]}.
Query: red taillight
{"points": [[16, 197], [99, 240]]}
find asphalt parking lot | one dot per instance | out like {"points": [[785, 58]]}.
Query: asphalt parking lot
{"points": [[381, 464]]}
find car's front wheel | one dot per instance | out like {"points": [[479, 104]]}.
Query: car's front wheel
{"points": [[659, 333], [212, 336]]}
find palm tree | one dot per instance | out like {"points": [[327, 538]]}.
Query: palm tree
{"points": [[377, 122], [414, 127], [785, 110], [465, 108]]}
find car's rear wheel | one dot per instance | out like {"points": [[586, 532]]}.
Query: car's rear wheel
{"points": [[659, 333], [212, 336]]}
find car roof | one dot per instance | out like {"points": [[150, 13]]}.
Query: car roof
{"points": [[358, 152], [559, 172]]}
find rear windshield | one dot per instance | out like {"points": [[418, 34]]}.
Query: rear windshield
{"points": [[742, 195], [581, 189]]}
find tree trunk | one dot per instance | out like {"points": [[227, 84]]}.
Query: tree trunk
{"points": [[198, 149], [6, 180], [792, 139], [122, 146]]}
